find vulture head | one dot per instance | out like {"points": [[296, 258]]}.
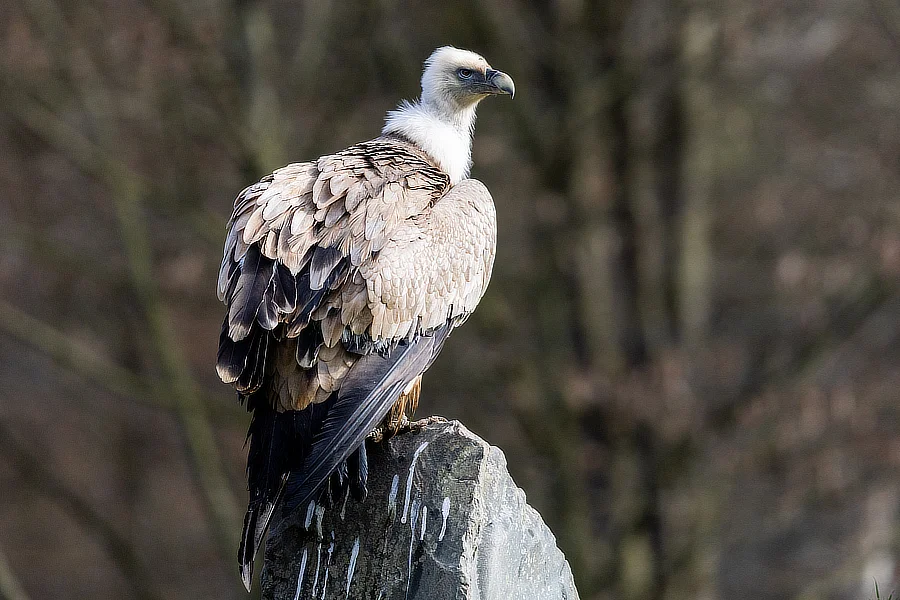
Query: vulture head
{"points": [[460, 79], [442, 121]]}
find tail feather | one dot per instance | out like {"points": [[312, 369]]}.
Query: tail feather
{"points": [[358, 466], [256, 522], [273, 443], [279, 442], [247, 549]]}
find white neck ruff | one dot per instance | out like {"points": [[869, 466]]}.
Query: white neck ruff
{"points": [[445, 138]]}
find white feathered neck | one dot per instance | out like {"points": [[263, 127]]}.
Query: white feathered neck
{"points": [[445, 135]]}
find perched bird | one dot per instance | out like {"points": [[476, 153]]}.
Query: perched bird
{"points": [[343, 277]]}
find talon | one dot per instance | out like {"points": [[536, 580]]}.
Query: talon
{"points": [[403, 425], [423, 423]]}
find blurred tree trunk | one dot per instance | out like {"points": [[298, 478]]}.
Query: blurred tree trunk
{"points": [[611, 153]]}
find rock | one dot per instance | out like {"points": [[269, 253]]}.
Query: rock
{"points": [[443, 520]]}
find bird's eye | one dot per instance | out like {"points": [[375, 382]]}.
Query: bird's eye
{"points": [[465, 73]]}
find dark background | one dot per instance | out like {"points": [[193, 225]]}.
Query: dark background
{"points": [[689, 349]]}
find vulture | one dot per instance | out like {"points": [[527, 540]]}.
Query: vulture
{"points": [[342, 278]]}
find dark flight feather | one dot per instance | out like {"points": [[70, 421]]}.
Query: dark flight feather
{"points": [[234, 273], [232, 357], [339, 482], [256, 275], [366, 395], [308, 344], [324, 260], [358, 467], [285, 289], [309, 299], [305, 295], [267, 316], [254, 371], [256, 522]]}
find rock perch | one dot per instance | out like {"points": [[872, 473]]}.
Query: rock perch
{"points": [[443, 520]]}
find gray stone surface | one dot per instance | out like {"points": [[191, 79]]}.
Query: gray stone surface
{"points": [[443, 520]]}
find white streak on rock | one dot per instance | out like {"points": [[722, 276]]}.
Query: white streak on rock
{"points": [[327, 565], [445, 512], [318, 563], [344, 505], [392, 497], [424, 519], [352, 566], [309, 514], [412, 539], [320, 512], [409, 479], [300, 576]]}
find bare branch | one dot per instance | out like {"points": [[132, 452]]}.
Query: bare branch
{"points": [[264, 109], [72, 355], [86, 362]]}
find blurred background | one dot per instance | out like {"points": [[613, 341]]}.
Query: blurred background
{"points": [[690, 349]]}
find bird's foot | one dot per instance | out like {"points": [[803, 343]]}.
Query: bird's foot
{"points": [[377, 435], [389, 428], [423, 423], [403, 425]]}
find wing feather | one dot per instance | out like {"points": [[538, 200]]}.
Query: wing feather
{"points": [[324, 260], [255, 277], [371, 386], [285, 289], [298, 235], [232, 358], [435, 267]]}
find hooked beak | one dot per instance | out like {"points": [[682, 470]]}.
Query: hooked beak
{"points": [[499, 82]]}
